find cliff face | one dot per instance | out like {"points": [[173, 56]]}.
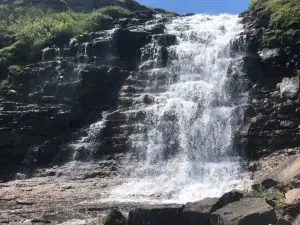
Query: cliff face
{"points": [[51, 88], [273, 40], [44, 104]]}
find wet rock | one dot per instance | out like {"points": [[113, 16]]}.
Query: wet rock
{"points": [[165, 39], [227, 198], [203, 205], [115, 218], [247, 212], [49, 53], [252, 66], [288, 124], [127, 43], [286, 108], [269, 54], [156, 215], [289, 87], [60, 39]]}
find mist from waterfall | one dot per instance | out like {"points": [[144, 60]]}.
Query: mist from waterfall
{"points": [[185, 150]]}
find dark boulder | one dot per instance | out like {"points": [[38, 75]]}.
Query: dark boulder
{"points": [[126, 44], [165, 39], [253, 67], [170, 215], [247, 211], [203, 205], [156, 215], [115, 218], [227, 198], [294, 25], [60, 39]]}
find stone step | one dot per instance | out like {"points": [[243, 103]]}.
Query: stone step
{"points": [[112, 131], [117, 139], [136, 82], [108, 149], [132, 89]]}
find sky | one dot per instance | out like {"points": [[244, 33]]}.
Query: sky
{"points": [[199, 6]]}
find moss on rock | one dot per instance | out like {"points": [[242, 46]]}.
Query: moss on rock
{"points": [[281, 13]]}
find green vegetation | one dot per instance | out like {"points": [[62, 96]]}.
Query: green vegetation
{"points": [[281, 12], [260, 191], [15, 68], [35, 25], [170, 14], [163, 12], [30, 27], [5, 84], [279, 200]]}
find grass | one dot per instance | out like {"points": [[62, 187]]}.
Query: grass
{"points": [[282, 12], [35, 25], [279, 200], [32, 26]]}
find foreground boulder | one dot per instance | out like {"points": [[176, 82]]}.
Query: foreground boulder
{"points": [[169, 215], [156, 215], [210, 205], [203, 205], [227, 198], [246, 212]]}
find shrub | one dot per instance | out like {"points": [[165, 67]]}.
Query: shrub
{"points": [[279, 200], [15, 68], [5, 84]]}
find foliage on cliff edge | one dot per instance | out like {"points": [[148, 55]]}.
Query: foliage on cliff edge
{"points": [[282, 13]]}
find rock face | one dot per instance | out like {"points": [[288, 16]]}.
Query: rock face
{"points": [[75, 81], [272, 64]]}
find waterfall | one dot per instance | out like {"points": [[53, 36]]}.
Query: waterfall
{"points": [[185, 148]]}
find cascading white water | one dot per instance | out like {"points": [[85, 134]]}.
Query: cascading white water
{"points": [[186, 153]]}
